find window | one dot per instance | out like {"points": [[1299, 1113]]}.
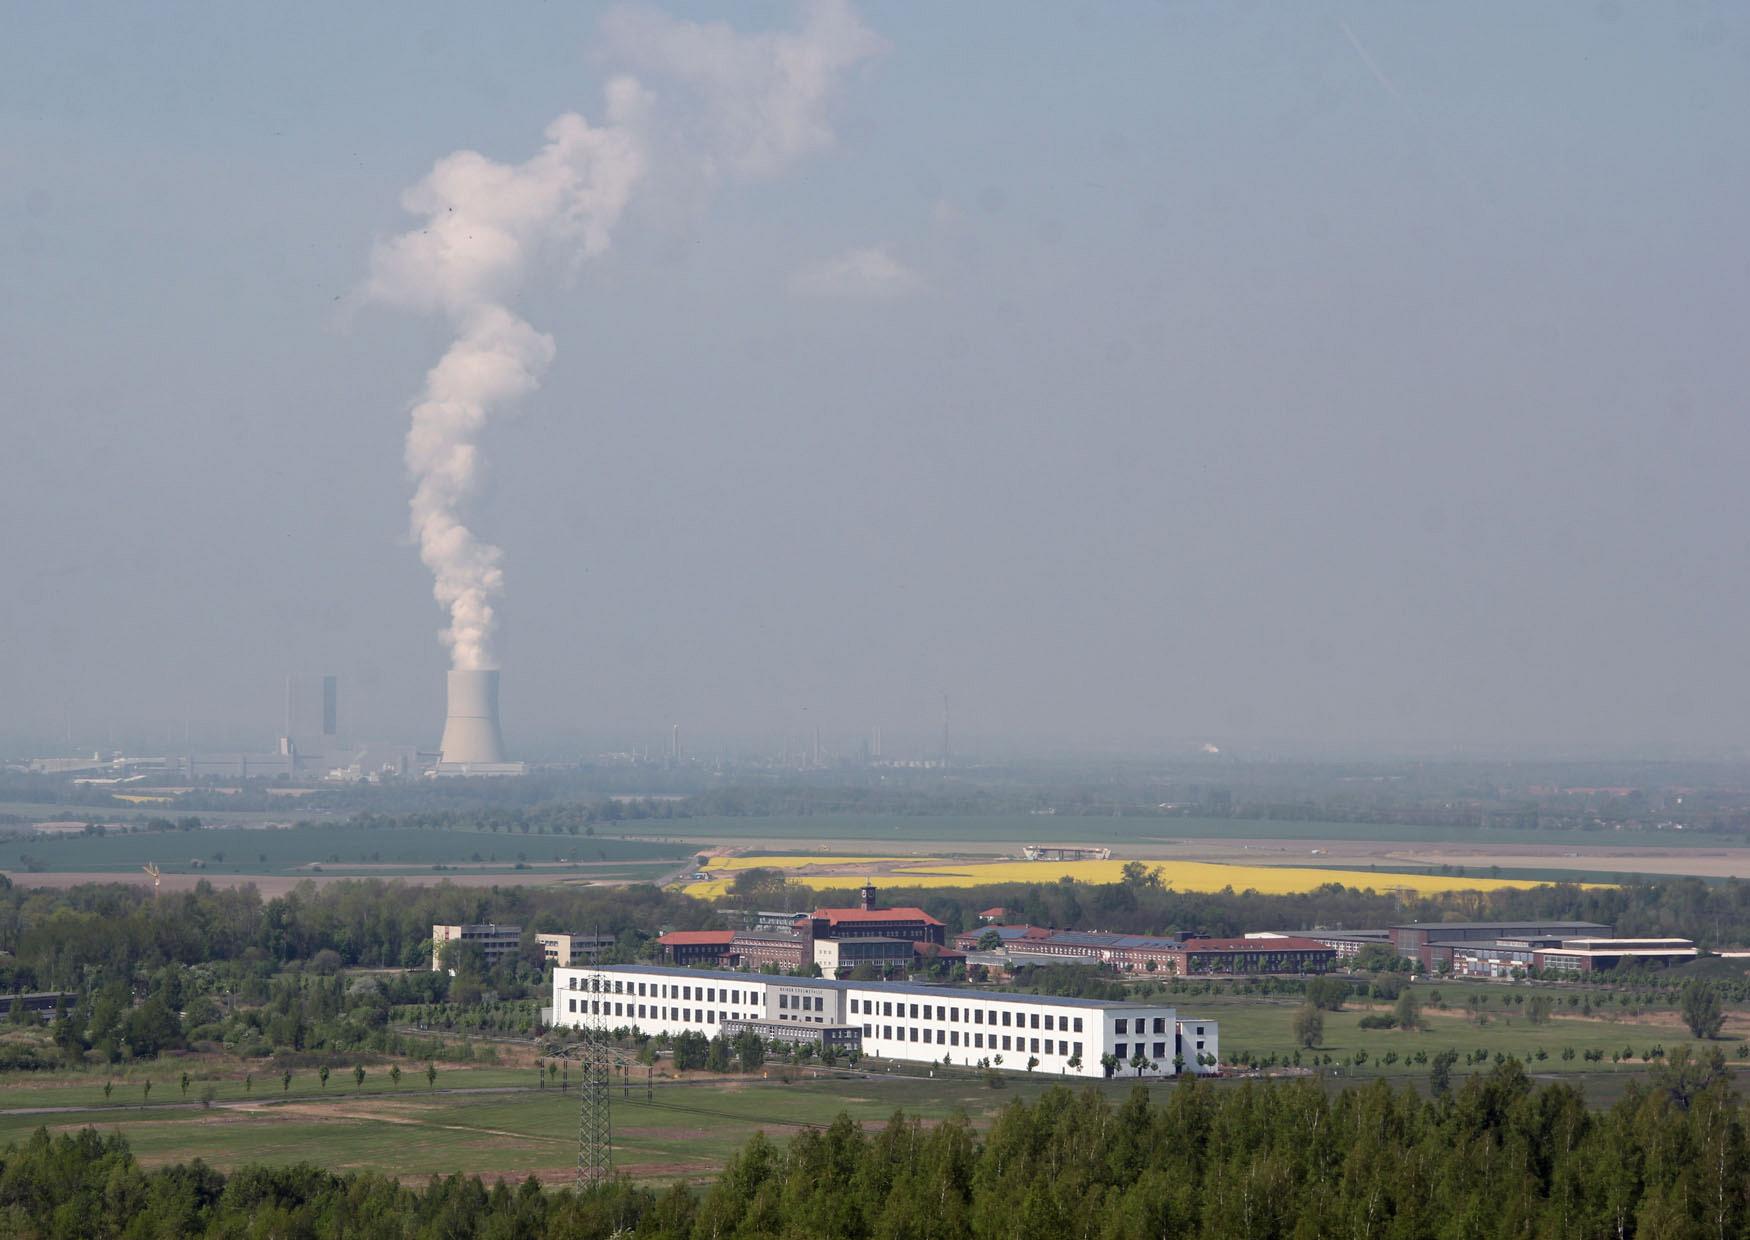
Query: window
{"points": [[1160, 1024], [820, 1003], [978, 1016], [1123, 1026], [868, 1031], [954, 1014], [1063, 1048], [1078, 1030], [1078, 1049], [686, 992], [1200, 1045], [1035, 1020], [914, 1011], [1048, 1020], [1121, 1050], [574, 1005], [887, 1031], [887, 1009], [1005, 1020], [853, 1007], [954, 1037], [1199, 1030], [784, 1001], [1034, 1047], [1160, 1050], [914, 1035], [1005, 1041]]}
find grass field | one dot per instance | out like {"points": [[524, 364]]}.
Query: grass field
{"points": [[1266, 1027], [278, 850], [876, 832], [682, 1132]]}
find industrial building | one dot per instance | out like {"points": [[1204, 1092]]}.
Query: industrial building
{"points": [[890, 1020], [1348, 944], [1177, 956], [1065, 852]]}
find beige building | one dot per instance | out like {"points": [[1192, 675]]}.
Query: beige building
{"points": [[570, 949], [495, 941]]}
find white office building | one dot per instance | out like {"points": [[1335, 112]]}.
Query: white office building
{"points": [[890, 1020]]}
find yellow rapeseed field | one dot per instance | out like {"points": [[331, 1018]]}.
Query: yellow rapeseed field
{"points": [[1192, 876], [1180, 875], [710, 889]]}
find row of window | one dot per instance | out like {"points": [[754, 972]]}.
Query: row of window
{"points": [[976, 1016], [951, 1037], [667, 990], [802, 1003], [685, 1016]]}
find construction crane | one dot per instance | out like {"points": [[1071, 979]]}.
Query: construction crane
{"points": [[151, 867]]}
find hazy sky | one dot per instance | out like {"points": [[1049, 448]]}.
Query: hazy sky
{"points": [[1282, 375]]}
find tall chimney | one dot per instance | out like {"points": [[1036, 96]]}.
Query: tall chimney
{"points": [[471, 729]]}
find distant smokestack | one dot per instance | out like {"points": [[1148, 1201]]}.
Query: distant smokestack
{"points": [[471, 729]]}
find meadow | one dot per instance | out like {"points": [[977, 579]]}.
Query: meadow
{"points": [[334, 846], [1006, 832]]}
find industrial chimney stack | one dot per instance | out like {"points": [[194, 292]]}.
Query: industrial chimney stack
{"points": [[471, 729]]}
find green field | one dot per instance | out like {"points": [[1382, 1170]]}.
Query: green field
{"points": [[1264, 1026], [236, 850], [684, 1130], [926, 832]]}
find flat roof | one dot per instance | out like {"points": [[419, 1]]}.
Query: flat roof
{"points": [[1501, 925], [828, 983]]}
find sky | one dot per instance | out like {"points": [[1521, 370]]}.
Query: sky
{"points": [[1295, 378]]}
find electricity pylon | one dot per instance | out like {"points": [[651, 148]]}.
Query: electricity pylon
{"points": [[595, 1128]]}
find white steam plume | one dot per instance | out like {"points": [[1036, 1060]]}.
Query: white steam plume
{"points": [[748, 105]]}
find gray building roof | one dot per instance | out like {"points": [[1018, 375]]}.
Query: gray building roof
{"points": [[827, 983]]}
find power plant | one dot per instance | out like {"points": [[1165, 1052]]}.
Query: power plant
{"points": [[472, 743]]}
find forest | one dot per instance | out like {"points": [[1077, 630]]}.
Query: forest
{"points": [[1497, 1156]]}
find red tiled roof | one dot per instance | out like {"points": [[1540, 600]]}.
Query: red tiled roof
{"points": [[875, 914], [685, 938], [995, 912]]}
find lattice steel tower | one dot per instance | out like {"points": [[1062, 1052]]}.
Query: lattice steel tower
{"points": [[595, 1130]]}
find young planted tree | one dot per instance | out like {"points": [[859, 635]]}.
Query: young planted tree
{"points": [[431, 1076], [395, 1076], [286, 1081], [1309, 1025], [1407, 1012], [186, 1081], [358, 1076], [323, 1073], [1700, 1007]]}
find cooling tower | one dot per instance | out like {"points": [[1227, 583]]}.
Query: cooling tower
{"points": [[471, 730]]}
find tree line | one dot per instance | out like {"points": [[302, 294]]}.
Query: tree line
{"points": [[1496, 1156]]}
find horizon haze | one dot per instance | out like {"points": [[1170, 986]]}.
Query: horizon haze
{"points": [[1294, 379]]}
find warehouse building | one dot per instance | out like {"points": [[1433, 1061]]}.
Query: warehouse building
{"points": [[1179, 955], [891, 1020], [1414, 940]]}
